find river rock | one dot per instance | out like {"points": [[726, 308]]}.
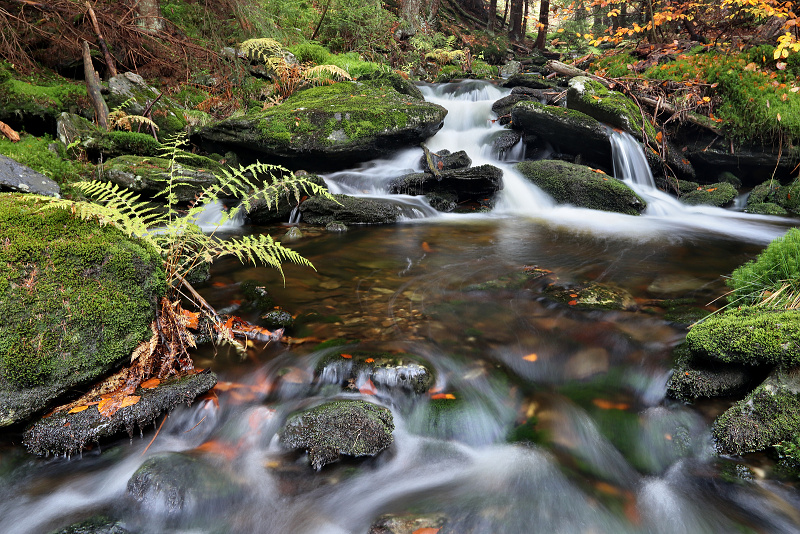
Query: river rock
{"points": [[569, 131], [444, 160], [467, 184], [591, 295], [349, 210], [777, 197], [768, 415], [748, 336], [719, 194], [349, 427], [75, 299], [148, 176], [179, 483], [385, 370], [753, 164], [262, 212], [98, 524], [77, 133], [610, 107], [765, 208], [693, 379], [530, 80], [329, 126], [408, 524], [569, 183], [69, 433], [17, 177]]}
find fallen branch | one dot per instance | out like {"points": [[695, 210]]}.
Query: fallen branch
{"points": [[431, 164], [112, 66], [93, 88], [9, 132]]}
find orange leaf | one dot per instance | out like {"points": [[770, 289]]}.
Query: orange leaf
{"points": [[605, 404], [426, 530], [77, 409], [346, 356], [532, 357], [190, 318], [369, 360], [150, 384], [573, 295], [368, 388], [113, 403], [659, 137], [448, 396], [426, 247], [711, 189], [572, 302]]}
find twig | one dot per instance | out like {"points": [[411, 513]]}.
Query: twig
{"points": [[157, 431], [195, 426]]}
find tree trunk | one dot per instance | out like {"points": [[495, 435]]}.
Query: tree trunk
{"points": [[150, 19], [515, 23], [525, 21], [492, 16], [93, 88], [544, 12]]}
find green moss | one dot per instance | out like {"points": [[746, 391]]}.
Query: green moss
{"points": [[692, 378], [41, 97], [719, 194], [750, 336], [569, 183], [610, 107], [482, 70], [135, 143], [765, 208], [613, 66], [75, 297]]}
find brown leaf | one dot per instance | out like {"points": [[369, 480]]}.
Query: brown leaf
{"points": [[532, 357], [77, 409], [111, 404], [150, 384]]}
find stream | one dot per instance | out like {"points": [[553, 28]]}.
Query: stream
{"points": [[558, 420]]}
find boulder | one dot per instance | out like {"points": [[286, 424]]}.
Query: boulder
{"points": [[447, 161], [17, 177], [610, 107], [385, 370], [777, 197], [693, 379], [569, 131], [69, 433], [530, 80], [349, 427], [720, 194], [767, 416], [349, 210], [329, 126], [510, 68], [748, 336], [751, 163], [569, 183], [36, 108], [148, 175], [591, 295], [131, 94], [76, 132], [765, 208], [260, 212], [75, 299], [467, 184]]}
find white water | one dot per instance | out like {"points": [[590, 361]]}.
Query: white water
{"points": [[470, 126], [214, 218]]}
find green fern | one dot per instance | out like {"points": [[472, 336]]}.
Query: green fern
{"points": [[261, 49]]}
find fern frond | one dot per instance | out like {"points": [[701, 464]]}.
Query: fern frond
{"points": [[258, 250], [142, 120], [261, 49], [323, 71]]}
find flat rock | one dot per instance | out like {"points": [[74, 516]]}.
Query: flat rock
{"points": [[467, 184], [350, 210], [17, 177]]}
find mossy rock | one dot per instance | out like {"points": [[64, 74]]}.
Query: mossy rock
{"points": [[516, 281], [764, 192], [611, 107], [693, 379], [591, 295], [569, 183], [386, 370], [349, 210], [749, 336], [769, 415], [99, 524], [148, 175], [330, 125], [472, 183], [349, 427], [719, 194], [75, 298], [131, 94], [36, 106], [529, 80], [765, 208], [77, 133], [569, 131]]}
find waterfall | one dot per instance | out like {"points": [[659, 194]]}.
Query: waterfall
{"points": [[211, 218]]}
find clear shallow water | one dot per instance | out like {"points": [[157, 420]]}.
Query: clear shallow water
{"points": [[608, 454]]}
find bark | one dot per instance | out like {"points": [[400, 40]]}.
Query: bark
{"points": [[9, 132], [110, 64], [150, 19], [544, 18], [515, 24], [492, 16], [93, 88]]}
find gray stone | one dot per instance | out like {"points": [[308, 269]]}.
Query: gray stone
{"points": [[467, 184], [349, 210], [510, 68], [17, 177]]}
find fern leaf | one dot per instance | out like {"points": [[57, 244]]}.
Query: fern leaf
{"points": [[323, 71], [261, 49]]}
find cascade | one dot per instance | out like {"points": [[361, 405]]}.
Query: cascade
{"points": [[211, 218]]}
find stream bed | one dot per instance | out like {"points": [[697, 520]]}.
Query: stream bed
{"points": [[544, 417]]}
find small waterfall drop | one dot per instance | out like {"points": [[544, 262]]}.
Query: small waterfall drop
{"points": [[213, 218]]}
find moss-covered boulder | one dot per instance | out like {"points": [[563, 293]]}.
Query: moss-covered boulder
{"points": [[69, 433], [35, 105], [529, 80], [569, 131], [349, 210], [148, 176], [569, 183], [749, 336], [349, 427], [472, 183], [694, 378], [605, 105], [770, 414], [75, 299], [79, 134], [352, 369], [719, 194], [765, 208], [131, 94], [332, 125]]}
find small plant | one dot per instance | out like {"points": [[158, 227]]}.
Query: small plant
{"points": [[183, 247]]}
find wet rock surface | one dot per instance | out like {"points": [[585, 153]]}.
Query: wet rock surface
{"points": [[349, 210], [148, 176], [693, 379], [592, 295], [349, 427], [467, 184], [18, 178], [357, 369], [69, 433]]}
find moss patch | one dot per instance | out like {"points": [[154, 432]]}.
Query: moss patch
{"points": [[719, 194], [35, 104], [34, 152], [75, 298], [569, 183], [750, 336]]}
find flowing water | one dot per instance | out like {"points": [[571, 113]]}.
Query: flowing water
{"points": [[559, 421]]}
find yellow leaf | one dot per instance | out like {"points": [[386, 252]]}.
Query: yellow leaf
{"points": [[531, 357], [77, 409], [779, 117]]}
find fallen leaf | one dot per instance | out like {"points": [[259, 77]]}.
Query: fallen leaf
{"points": [[532, 357], [605, 404], [346, 356], [448, 396], [368, 388], [112, 404], [369, 360], [77, 409], [150, 384], [659, 137], [426, 530], [426, 247], [572, 302]]}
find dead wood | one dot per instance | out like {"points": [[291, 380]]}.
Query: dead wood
{"points": [[101, 42], [93, 88], [9, 132]]}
